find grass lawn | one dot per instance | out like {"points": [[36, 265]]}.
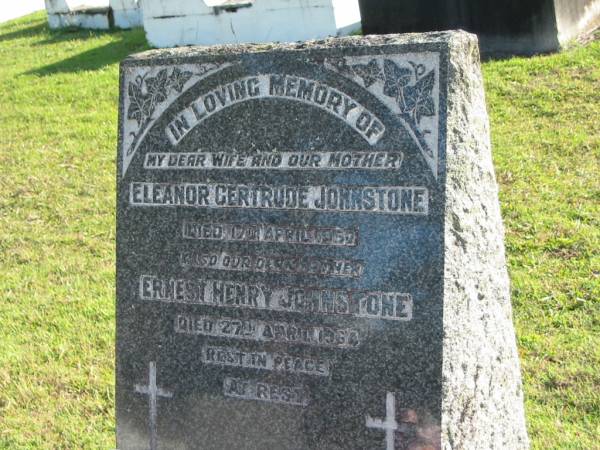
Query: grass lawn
{"points": [[58, 113]]}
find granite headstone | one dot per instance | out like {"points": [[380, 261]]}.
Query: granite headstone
{"points": [[310, 250]]}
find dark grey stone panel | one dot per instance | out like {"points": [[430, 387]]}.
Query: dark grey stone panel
{"points": [[507, 26]]}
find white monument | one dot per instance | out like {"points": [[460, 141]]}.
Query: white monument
{"points": [[126, 13], [93, 14], [210, 22]]}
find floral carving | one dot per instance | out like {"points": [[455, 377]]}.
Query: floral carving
{"points": [[396, 78], [369, 73], [410, 86], [146, 93]]}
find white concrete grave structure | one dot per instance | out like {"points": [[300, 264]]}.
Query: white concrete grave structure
{"points": [[210, 22], [94, 14], [126, 13]]}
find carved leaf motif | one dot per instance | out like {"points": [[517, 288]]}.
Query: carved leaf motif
{"points": [[206, 68], [148, 106], [396, 78], [158, 86], [136, 103], [369, 73], [340, 64], [418, 97], [145, 93], [177, 79]]}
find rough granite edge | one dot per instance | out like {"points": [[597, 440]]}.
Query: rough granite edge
{"points": [[338, 42], [482, 404]]}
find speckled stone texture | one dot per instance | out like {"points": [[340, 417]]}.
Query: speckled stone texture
{"points": [[319, 305], [482, 393]]}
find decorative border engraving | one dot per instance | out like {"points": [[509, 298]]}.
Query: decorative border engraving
{"points": [[408, 84], [150, 91]]}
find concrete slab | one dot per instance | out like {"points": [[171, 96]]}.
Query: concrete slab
{"points": [[210, 22]]}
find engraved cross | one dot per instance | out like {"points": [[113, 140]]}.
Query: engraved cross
{"points": [[153, 392], [388, 424]]}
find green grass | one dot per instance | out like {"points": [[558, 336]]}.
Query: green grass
{"points": [[58, 112], [545, 115]]}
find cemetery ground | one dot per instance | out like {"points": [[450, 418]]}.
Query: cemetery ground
{"points": [[58, 114]]}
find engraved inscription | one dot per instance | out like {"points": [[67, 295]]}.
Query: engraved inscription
{"points": [[273, 361], [379, 305], [304, 300], [344, 268], [280, 160], [278, 236], [382, 199], [287, 87], [281, 234], [265, 392], [270, 331], [208, 292]]}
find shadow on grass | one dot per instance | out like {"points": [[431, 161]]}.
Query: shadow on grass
{"points": [[78, 34], [99, 48], [37, 29], [95, 58]]}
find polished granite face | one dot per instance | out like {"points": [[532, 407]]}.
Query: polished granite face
{"points": [[280, 246]]}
